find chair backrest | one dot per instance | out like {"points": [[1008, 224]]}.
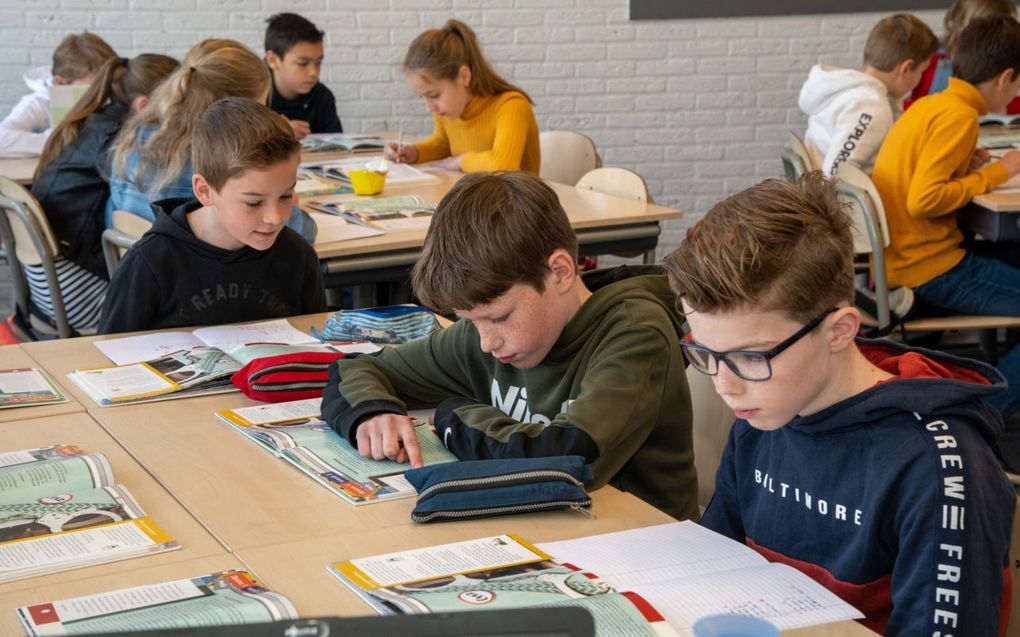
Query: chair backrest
{"points": [[712, 423], [800, 149], [127, 229], [30, 242], [566, 156], [618, 182]]}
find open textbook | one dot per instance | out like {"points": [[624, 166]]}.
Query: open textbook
{"points": [[292, 431], [60, 509], [177, 364], [670, 575], [404, 212], [216, 599], [27, 386], [333, 142]]}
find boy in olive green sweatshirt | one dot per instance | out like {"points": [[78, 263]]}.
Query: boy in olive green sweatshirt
{"points": [[541, 362]]}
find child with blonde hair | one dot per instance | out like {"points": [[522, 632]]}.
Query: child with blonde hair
{"points": [[70, 182], [151, 159], [75, 61], [482, 122]]}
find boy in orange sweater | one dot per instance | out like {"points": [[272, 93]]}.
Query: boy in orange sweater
{"points": [[929, 166]]}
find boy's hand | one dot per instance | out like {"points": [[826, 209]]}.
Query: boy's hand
{"points": [[389, 436], [406, 154], [301, 128], [980, 157], [1011, 162]]}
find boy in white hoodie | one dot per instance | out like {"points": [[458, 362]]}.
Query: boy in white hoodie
{"points": [[850, 111], [75, 61]]}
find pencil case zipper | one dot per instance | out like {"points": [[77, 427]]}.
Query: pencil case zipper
{"points": [[581, 506], [314, 384], [501, 480], [290, 367]]}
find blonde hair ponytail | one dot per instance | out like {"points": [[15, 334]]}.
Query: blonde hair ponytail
{"points": [[213, 69], [440, 53]]}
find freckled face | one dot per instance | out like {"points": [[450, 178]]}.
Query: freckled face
{"points": [[517, 327], [253, 208]]}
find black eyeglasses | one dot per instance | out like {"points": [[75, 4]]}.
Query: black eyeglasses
{"points": [[753, 366]]}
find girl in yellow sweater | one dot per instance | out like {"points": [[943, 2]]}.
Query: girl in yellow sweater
{"points": [[482, 122]]}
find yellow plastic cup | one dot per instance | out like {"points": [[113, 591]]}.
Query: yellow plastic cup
{"points": [[366, 182]]}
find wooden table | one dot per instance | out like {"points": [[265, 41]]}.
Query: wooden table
{"points": [[83, 431], [14, 357], [19, 169], [603, 224]]}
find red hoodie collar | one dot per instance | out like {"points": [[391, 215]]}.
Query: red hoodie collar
{"points": [[904, 365]]}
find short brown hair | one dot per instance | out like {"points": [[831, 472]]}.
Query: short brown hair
{"points": [[777, 246], [987, 47], [491, 231], [898, 38], [237, 134], [79, 55]]}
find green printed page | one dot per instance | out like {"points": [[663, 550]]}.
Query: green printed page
{"points": [[65, 511], [247, 353], [321, 452], [26, 483], [621, 615], [233, 597]]}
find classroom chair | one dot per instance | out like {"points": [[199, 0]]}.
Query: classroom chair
{"points": [[712, 420], [871, 236], [566, 156], [29, 241], [796, 158], [127, 229], [622, 183]]}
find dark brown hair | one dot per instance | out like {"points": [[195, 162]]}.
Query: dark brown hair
{"points": [[897, 38], [490, 231], [777, 246], [119, 81], [987, 47], [440, 53], [237, 134]]}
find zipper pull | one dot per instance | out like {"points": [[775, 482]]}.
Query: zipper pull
{"points": [[585, 510]]}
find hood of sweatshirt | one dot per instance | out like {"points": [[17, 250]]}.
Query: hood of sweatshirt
{"points": [[172, 221], [825, 83], [924, 382], [639, 290], [39, 80]]}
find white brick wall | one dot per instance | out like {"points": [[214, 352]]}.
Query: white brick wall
{"points": [[700, 108]]}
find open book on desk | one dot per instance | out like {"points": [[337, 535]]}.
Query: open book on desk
{"points": [[500, 572], [27, 386], [293, 432], [333, 142], [60, 509], [396, 174], [182, 364], [404, 212], [673, 573], [215, 599]]}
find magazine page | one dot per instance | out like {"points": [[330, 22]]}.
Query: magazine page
{"points": [[247, 353], [322, 453], [273, 413], [195, 366], [70, 530], [404, 212], [396, 175], [231, 337], [217, 599], [32, 482], [38, 454], [28, 386], [125, 383], [333, 228], [145, 347]]}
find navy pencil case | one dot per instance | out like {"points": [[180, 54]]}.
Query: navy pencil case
{"points": [[486, 488]]}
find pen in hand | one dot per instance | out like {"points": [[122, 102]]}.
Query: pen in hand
{"points": [[400, 143]]}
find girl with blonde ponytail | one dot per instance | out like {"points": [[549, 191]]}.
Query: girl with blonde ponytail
{"points": [[152, 154], [482, 122], [71, 182]]}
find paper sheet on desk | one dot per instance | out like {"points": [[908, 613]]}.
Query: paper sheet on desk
{"points": [[333, 228], [686, 571]]}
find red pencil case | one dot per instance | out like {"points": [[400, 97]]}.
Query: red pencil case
{"points": [[275, 379]]}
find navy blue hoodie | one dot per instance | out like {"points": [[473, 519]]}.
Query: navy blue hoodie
{"points": [[892, 498]]}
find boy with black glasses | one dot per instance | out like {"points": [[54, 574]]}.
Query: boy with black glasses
{"points": [[865, 464]]}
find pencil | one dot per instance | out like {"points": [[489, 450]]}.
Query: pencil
{"points": [[400, 142]]}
